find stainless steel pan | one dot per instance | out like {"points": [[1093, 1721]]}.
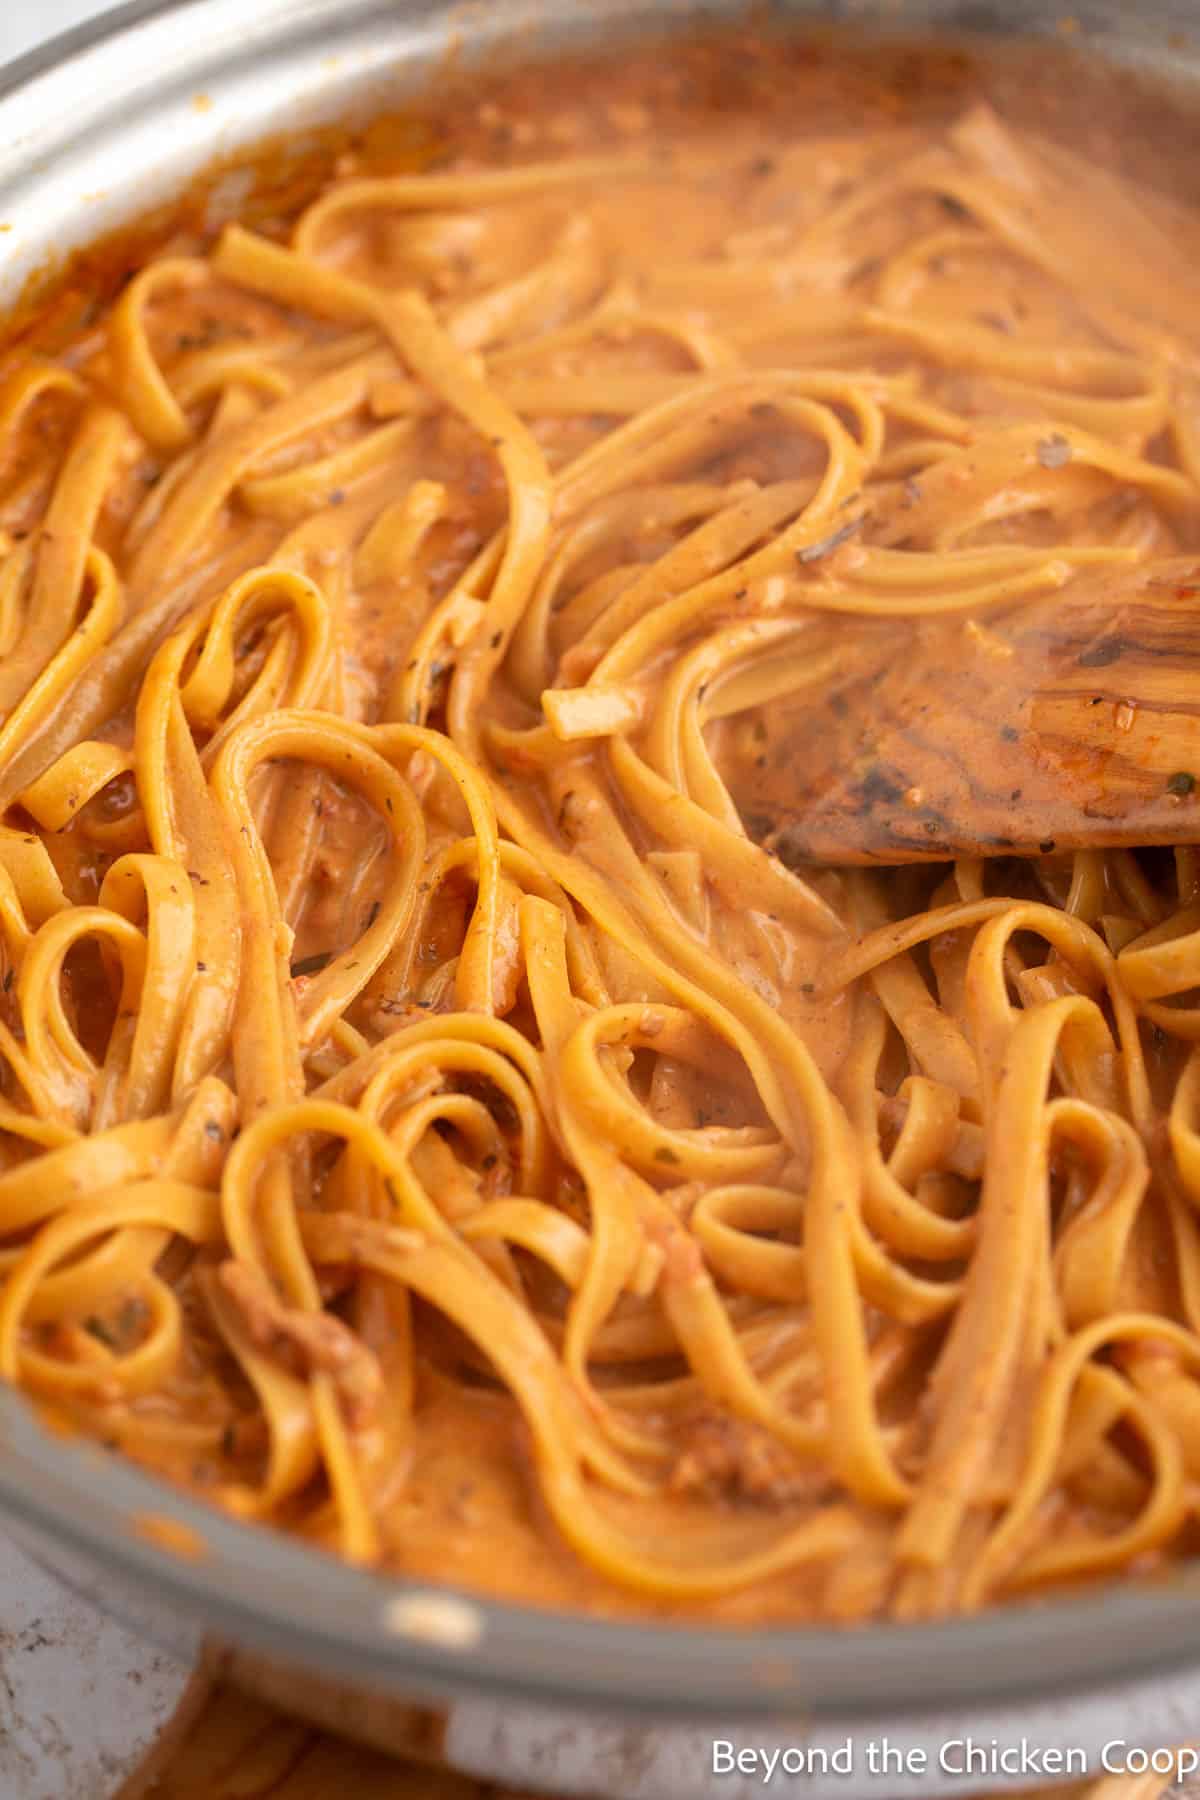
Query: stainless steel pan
{"points": [[105, 122]]}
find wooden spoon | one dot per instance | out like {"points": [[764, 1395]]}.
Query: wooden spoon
{"points": [[1068, 723]]}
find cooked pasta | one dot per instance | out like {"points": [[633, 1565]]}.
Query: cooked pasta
{"points": [[431, 1120]]}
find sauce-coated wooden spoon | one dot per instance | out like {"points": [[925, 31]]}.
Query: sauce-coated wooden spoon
{"points": [[1067, 723]]}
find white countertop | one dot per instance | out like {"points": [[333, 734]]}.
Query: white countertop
{"points": [[81, 1701]]}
